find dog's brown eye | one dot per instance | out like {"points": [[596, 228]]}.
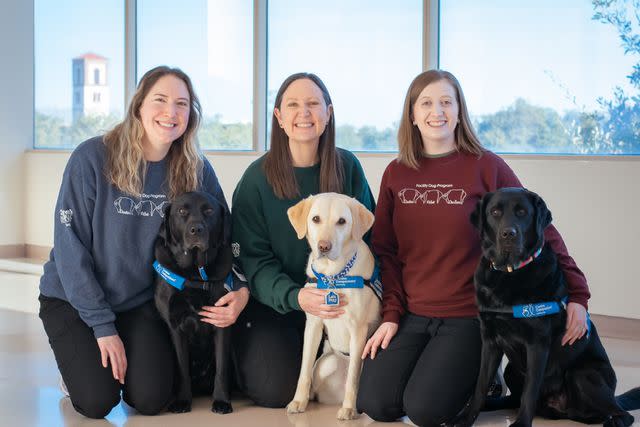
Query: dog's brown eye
{"points": [[496, 212], [316, 219], [521, 212], [182, 211], [208, 212], [341, 221]]}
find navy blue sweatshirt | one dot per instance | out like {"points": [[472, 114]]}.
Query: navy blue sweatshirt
{"points": [[101, 262]]}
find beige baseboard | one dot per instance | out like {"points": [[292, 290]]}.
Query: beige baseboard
{"points": [[617, 327], [38, 252], [35, 252], [12, 251]]}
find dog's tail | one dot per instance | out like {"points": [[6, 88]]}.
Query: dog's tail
{"points": [[629, 401]]}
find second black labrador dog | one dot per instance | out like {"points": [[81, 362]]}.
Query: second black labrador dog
{"points": [[521, 292], [193, 259]]}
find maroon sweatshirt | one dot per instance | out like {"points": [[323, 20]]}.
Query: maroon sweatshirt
{"points": [[427, 247]]}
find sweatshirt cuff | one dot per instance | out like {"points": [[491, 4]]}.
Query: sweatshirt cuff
{"points": [[391, 316], [238, 278], [292, 299], [580, 299], [104, 330]]}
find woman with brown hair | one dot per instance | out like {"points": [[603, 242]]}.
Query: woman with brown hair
{"points": [[301, 161], [96, 294], [423, 360]]}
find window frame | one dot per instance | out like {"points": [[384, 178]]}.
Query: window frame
{"points": [[430, 59]]}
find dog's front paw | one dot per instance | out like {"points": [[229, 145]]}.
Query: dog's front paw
{"points": [[221, 407], [463, 420], [180, 406], [624, 420], [296, 407], [347, 414]]}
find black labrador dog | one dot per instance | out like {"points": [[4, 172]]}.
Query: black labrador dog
{"points": [[193, 259], [521, 295]]}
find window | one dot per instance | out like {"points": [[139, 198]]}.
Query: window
{"points": [[365, 54], [539, 76], [69, 36], [212, 41], [545, 76]]}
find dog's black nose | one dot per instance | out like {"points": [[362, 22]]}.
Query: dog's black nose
{"points": [[508, 232], [196, 229], [324, 246]]}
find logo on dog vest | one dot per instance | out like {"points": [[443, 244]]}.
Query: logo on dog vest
{"points": [[535, 310]]}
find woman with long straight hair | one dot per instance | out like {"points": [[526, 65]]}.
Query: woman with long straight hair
{"points": [[302, 160], [423, 360]]}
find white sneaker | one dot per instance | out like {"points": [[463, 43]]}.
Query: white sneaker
{"points": [[63, 387]]}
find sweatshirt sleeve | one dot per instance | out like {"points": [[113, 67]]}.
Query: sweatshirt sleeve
{"points": [[576, 280], [385, 247], [268, 283], [73, 238]]}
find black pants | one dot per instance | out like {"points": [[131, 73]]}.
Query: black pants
{"points": [[93, 390], [267, 354], [428, 371]]}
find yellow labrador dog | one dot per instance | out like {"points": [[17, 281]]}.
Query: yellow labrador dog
{"points": [[341, 263]]}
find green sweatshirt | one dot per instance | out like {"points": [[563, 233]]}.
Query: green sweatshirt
{"points": [[270, 254]]}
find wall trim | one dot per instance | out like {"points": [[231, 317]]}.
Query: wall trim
{"points": [[617, 327], [12, 251], [37, 252]]}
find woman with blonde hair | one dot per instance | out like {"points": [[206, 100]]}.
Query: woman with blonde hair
{"points": [[423, 360], [96, 294]]}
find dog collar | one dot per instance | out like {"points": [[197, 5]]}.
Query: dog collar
{"points": [[350, 282], [339, 279], [180, 282], [512, 268]]}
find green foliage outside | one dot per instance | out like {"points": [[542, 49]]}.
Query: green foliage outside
{"points": [[51, 132], [613, 128]]}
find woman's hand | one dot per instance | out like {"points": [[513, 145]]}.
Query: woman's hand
{"points": [[226, 310], [576, 323], [381, 338], [311, 300], [112, 350]]}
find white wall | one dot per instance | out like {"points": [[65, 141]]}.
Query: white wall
{"points": [[594, 202], [16, 114]]}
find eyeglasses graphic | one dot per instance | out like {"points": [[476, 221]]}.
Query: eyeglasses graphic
{"points": [[454, 196]]}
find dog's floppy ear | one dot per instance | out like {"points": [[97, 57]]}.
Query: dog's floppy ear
{"points": [[298, 214], [165, 229], [362, 219], [478, 216], [543, 214], [226, 225]]}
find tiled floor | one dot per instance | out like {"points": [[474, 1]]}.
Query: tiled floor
{"points": [[29, 394]]}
